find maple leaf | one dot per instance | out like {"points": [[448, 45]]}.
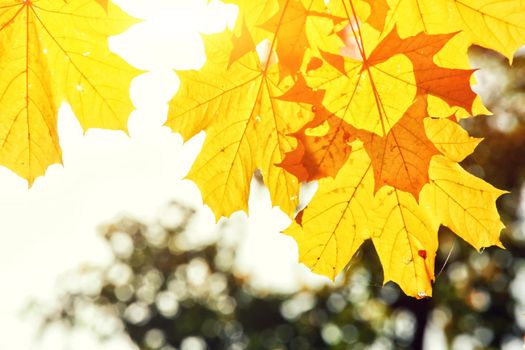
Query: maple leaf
{"points": [[237, 98], [496, 25], [335, 223], [322, 149], [322, 146], [401, 230], [402, 157], [308, 161], [345, 212], [246, 126], [451, 85], [450, 138], [463, 203], [52, 52], [392, 167], [369, 97]]}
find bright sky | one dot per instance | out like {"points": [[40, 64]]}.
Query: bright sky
{"points": [[51, 228]]}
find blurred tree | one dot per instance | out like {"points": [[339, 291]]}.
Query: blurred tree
{"points": [[167, 293]]}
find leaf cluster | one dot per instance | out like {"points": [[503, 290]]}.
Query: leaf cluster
{"points": [[363, 96]]}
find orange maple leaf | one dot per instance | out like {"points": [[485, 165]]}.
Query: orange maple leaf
{"points": [[321, 155], [322, 149], [402, 157], [323, 143], [451, 85]]}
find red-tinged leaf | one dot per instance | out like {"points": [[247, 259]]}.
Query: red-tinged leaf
{"points": [[401, 158], [322, 144], [451, 85], [322, 149]]}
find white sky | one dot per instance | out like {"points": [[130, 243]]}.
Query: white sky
{"points": [[51, 228]]}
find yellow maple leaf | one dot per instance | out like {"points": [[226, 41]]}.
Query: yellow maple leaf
{"points": [[406, 241], [246, 126], [236, 99], [335, 224], [450, 138], [52, 52], [344, 213], [497, 25], [463, 203], [376, 76], [372, 98]]}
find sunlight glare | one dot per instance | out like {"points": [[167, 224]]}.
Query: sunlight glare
{"points": [[169, 36]]}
